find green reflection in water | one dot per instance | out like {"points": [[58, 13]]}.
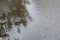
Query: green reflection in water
{"points": [[16, 16]]}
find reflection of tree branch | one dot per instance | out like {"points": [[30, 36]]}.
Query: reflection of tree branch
{"points": [[2, 30], [20, 12]]}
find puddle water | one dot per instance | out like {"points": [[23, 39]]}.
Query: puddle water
{"points": [[45, 24], [14, 15]]}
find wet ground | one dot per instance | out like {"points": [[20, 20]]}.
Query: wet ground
{"points": [[45, 24]]}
